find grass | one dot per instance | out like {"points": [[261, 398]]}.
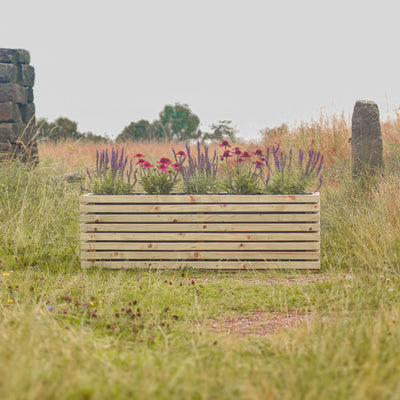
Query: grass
{"points": [[68, 333]]}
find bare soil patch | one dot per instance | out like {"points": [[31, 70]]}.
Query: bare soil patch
{"points": [[259, 323]]}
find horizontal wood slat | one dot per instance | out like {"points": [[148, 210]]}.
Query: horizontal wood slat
{"points": [[202, 255], [176, 246], [210, 231], [214, 227], [185, 199], [201, 236], [203, 208], [211, 265], [177, 218]]}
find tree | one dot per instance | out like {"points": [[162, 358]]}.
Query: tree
{"points": [[135, 131], [179, 123], [221, 131], [62, 129]]}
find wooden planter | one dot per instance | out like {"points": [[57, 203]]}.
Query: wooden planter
{"points": [[201, 231]]}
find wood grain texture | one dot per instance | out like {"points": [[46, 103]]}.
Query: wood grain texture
{"points": [[210, 231], [185, 199], [210, 265]]}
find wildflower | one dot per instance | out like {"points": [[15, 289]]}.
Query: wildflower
{"points": [[10, 301], [138, 156], [227, 154], [246, 154], [163, 167], [165, 161], [86, 304], [91, 303], [64, 311], [259, 164], [225, 144], [141, 161], [6, 274], [50, 308], [176, 167], [147, 165], [181, 153], [258, 152], [388, 280], [237, 151]]}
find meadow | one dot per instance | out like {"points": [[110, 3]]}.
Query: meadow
{"points": [[69, 333]]}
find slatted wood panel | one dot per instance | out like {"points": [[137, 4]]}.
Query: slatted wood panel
{"points": [[202, 231]]}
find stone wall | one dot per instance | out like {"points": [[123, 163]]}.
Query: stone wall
{"points": [[17, 109]]}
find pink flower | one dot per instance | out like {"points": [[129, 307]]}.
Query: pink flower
{"points": [[163, 167], [258, 152], [146, 165], [225, 143], [246, 154], [227, 153], [259, 163], [139, 155], [141, 161], [165, 161], [176, 167], [181, 153], [237, 151]]}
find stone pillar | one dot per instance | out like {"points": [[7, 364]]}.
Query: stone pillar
{"points": [[17, 110], [366, 139]]}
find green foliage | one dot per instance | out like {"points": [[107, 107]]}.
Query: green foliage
{"points": [[64, 129], [244, 177], [179, 123], [141, 131], [221, 131], [158, 182], [241, 181], [199, 170], [290, 175], [292, 182], [109, 185], [112, 174], [200, 183], [176, 122]]}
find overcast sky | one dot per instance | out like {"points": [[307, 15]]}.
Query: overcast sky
{"points": [[258, 63]]}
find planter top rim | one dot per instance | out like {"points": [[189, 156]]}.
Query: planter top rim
{"points": [[201, 195]]}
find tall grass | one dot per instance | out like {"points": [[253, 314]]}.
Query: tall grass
{"points": [[67, 333]]}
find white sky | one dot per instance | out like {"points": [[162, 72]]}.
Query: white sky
{"points": [[258, 63]]}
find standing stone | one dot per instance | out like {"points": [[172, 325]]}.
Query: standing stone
{"points": [[366, 139], [17, 110]]}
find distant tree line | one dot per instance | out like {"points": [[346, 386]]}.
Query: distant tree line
{"points": [[175, 122], [62, 129]]}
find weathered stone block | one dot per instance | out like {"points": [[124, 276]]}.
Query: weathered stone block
{"points": [[29, 94], [26, 75], [14, 56], [12, 132], [9, 56], [13, 92], [9, 112], [23, 56], [27, 111], [8, 72], [366, 139]]}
